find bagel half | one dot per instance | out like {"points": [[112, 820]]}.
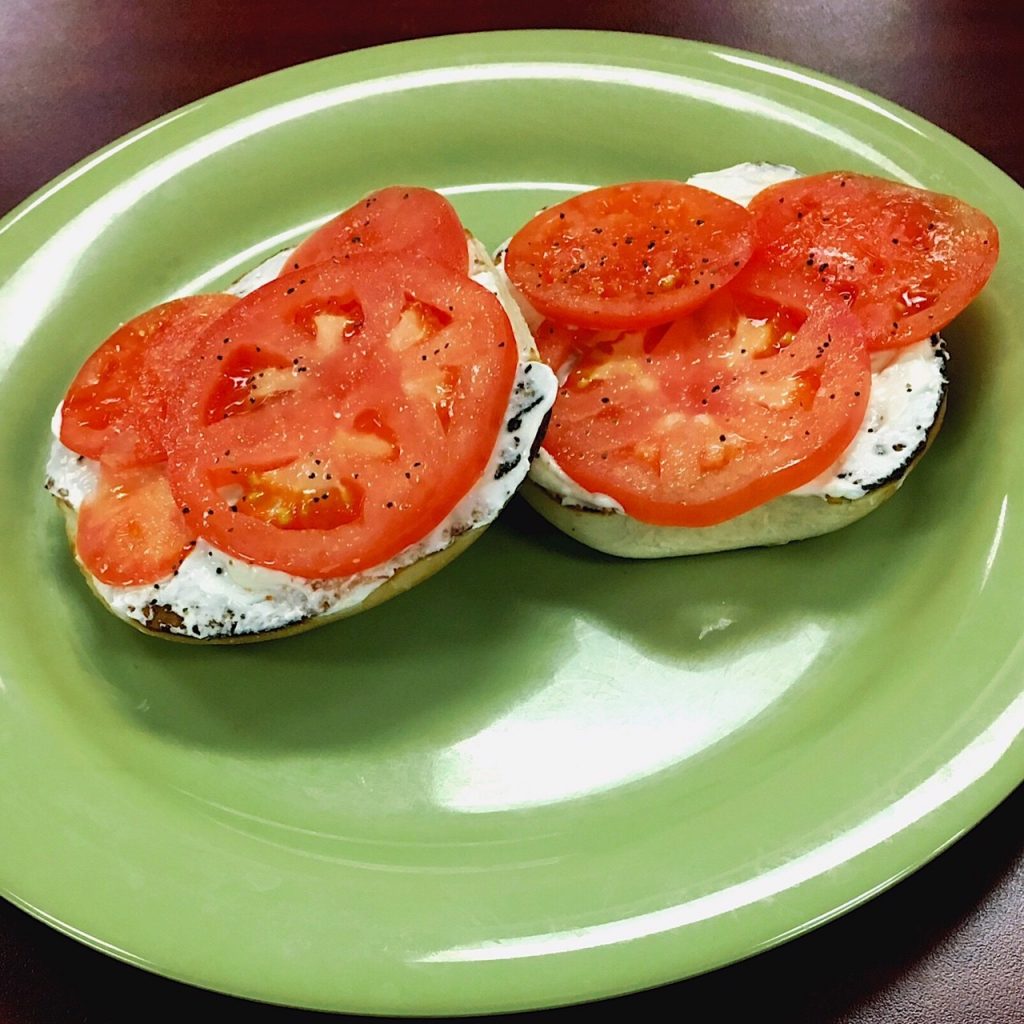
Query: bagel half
{"points": [[215, 598], [904, 415]]}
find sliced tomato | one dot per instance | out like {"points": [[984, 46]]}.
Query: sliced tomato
{"points": [[115, 409], [709, 417], [906, 259], [400, 220], [629, 256], [339, 413], [130, 529]]}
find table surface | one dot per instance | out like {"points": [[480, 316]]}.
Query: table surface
{"points": [[946, 944]]}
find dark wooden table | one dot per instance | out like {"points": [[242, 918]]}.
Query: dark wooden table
{"points": [[944, 946]]}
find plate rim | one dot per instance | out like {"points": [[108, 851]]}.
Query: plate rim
{"points": [[985, 792]]}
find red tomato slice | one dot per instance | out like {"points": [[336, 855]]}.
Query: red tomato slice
{"points": [[339, 413], [629, 256], [399, 220], [909, 260], [130, 529], [709, 417], [115, 409]]}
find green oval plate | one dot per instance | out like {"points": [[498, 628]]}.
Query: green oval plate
{"points": [[543, 776]]}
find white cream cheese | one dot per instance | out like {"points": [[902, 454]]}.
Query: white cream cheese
{"points": [[907, 389], [742, 182], [215, 595], [547, 473]]}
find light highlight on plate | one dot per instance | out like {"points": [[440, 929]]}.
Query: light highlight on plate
{"points": [[77, 933], [796, 75], [516, 186], [961, 771], [64, 250], [236, 265], [997, 540], [592, 729], [337, 850]]}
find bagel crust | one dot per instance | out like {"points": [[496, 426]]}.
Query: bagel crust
{"points": [[784, 519], [165, 621]]}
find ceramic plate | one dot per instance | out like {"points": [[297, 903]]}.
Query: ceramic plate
{"points": [[543, 776]]}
